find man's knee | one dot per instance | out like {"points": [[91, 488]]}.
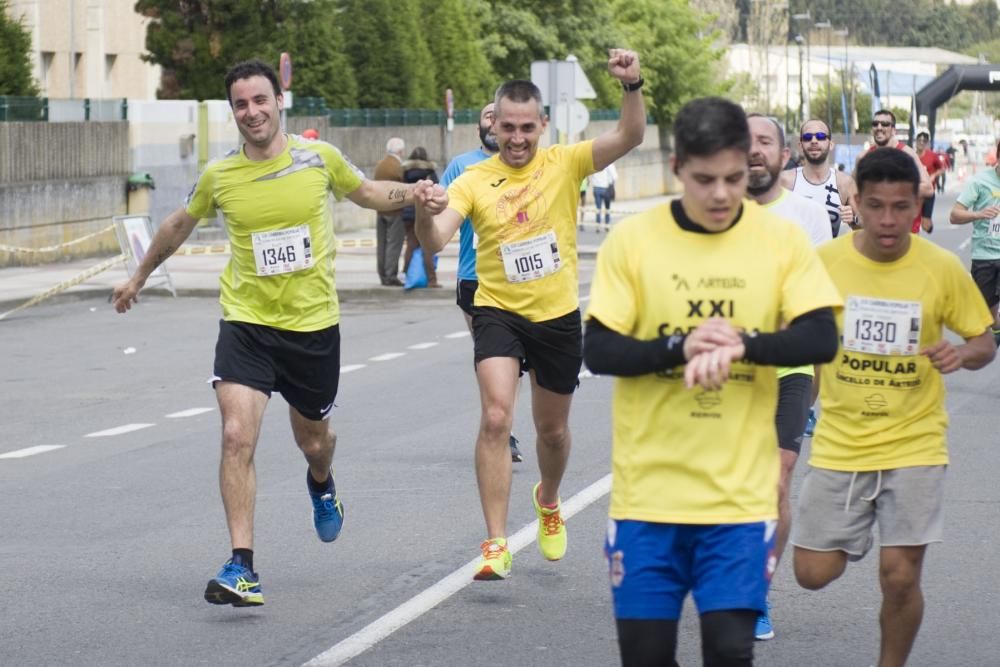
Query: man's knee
{"points": [[727, 638], [816, 569], [496, 421]]}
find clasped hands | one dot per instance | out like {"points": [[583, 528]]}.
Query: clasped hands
{"points": [[710, 350], [430, 196]]}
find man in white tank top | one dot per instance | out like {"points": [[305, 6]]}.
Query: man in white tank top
{"points": [[768, 153], [819, 181]]}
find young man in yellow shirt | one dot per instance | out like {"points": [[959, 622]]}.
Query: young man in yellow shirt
{"points": [[687, 308], [522, 203], [879, 453]]}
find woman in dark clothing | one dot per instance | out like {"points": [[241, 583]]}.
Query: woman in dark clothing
{"points": [[417, 168]]}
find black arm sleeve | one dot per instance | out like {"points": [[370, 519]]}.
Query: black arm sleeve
{"points": [[608, 352], [809, 339]]}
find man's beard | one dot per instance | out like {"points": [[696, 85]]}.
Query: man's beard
{"points": [[759, 184], [488, 139], [817, 160], [884, 143]]}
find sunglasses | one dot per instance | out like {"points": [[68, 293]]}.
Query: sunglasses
{"points": [[882, 123], [820, 136]]}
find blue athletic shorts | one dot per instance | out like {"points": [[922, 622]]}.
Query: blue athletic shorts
{"points": [[653, 566]]}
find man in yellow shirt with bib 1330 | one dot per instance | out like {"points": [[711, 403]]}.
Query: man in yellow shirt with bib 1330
{"points": [[879, 453]]}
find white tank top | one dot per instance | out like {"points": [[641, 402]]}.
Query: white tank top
{"points": [[825, 193]]}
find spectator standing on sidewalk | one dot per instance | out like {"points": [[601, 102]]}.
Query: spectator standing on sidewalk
{"points": [[389, 229]]}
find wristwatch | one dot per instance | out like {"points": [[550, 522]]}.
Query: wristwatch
{"points": [[636, 85]]}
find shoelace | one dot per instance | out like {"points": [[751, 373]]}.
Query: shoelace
{"points": [[489, 551], [328, 507], [552, 523], [234, 569]]}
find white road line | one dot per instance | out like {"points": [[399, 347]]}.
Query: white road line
{"points": [[421, 346], [189, 413], [388, 356], [30, 451], [351, 368], [458, 334], [118, 430], [964, 244], [364, 639]]}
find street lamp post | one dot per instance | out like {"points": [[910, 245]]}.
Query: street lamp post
{"points": [[804, 103], [848, 80], [802, 95], [826, 25]]}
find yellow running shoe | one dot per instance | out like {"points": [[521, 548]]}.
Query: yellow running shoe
{"points": [[551, 529], [496, 561]]}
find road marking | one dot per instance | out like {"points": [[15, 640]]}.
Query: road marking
{"points": [[118, 430], [189, 413], [458, 334], [367, 637], [30, 451], [351, 368], [388, 356], [964, 244], [421, 346]]}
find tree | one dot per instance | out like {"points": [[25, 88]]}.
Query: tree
{"points": [[459, 60], [389, 54], [829, 103], [15, 56], [197, 41], [675, 47], [314, 37]]}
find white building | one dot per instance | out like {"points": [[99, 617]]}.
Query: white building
{"points": [[88, 48], [778, 76]]}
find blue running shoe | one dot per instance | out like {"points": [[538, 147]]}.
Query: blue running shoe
{"points": [[235, 585], [764, 630], [328, 512], [810, 423]]}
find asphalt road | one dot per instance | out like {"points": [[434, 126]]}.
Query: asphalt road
{"points": [[107, 538]]}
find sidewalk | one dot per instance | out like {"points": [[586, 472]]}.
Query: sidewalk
{"points": [[198, 274]]}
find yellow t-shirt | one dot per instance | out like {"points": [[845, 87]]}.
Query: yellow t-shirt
{"points": [[885, 408], [526, 223], [697, 456], [278, 217]]}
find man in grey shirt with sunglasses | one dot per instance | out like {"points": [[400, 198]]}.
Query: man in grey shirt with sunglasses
{"points": [[817, 179]]}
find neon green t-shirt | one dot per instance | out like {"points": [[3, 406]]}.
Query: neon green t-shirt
{"points": [[278, 217]]}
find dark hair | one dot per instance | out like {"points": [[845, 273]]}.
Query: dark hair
{"points": [[885, 112], [519, 90], [924, 135], [887, 165], [774, 121], [247, 69], [707, 125], [419, 153]]}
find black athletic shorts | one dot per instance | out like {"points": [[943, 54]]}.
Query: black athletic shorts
{"points": [[986, 273], [794, 399], [465, 295], [553, 349], [927, 210], [304, 367]]}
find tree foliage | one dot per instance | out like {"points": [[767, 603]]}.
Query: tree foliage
{"points": [[15, 56], [387, 54], [676, 51]]}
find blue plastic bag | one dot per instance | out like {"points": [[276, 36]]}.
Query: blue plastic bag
{"points": [[415, 274]]}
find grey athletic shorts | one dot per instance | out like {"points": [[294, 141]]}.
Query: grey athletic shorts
{"points": [[837, 510]]}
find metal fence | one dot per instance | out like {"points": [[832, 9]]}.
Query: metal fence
{"points": [[61, 111]]}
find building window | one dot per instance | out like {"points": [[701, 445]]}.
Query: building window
{"points": [[46, 73], [109, 69]]}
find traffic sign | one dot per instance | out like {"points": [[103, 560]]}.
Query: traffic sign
{"points": [[285, 71]]}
